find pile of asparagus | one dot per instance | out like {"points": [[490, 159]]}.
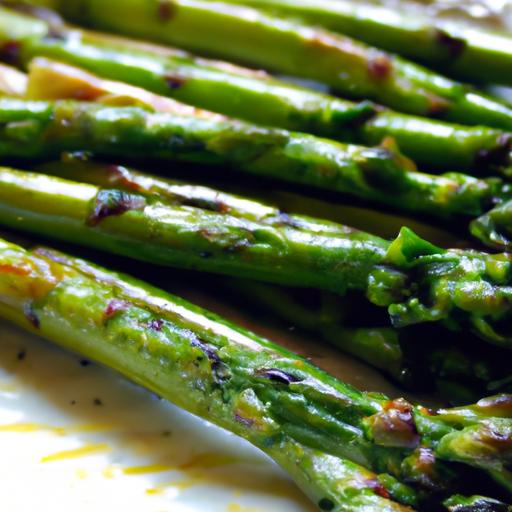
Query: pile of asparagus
{"points": [[80, 107]]}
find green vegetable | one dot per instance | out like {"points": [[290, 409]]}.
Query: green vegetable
{"points": [[234, 91], [287, 47], [43, 130], [475, 504], [39, 130], [494, 228], [450, 194], [302, 417], [422, 359], [415, 280], [475, 54], [191, 357], [408, 357]]}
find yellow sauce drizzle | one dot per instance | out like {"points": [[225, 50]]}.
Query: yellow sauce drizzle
{"points": [[81, 474], [145, 470], [152, 492], [208, 461], [31, 427], [110, 472], [235, 507], [61, 431], [83, 451]]}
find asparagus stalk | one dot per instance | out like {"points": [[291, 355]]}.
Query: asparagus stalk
{"points": [[294, 49], [53, 80], [474, 54], [475, 504], [42, 130], [494, 228], [384, 348], [176, 192], [449, 194], [187, 355], [415, 280], [418, 359], [273, 398], [233, 91], [439, 195], [378, 174], [430, 142]]}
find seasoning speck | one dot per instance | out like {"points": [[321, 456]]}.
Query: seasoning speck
{"points": [[97, 402], [326, 504], [22, 354], [166, 9]]}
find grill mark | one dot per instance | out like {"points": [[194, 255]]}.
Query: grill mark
{"points": [[113, 202], [277, 375]]}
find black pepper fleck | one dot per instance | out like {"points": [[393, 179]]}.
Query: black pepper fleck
{"points": [[326, 504], [97, 402], [22, 354]]}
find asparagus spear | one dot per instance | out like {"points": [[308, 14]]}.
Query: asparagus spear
{"points": [[187, 355], [475, 504], [417, 281], [211, 85], [377, 174], [383, 348], [449, 194], [494, 228], [291, 48], [475, 54], [421, 359], [176, 192], [426, 141], [53, 80], [273, 398], [234, 91]]}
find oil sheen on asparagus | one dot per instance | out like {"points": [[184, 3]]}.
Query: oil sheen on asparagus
{"points": [[416, 281], [476, 54], [288, 47], [305, 419], [42, 130], [233, 91], [452, 194]]}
